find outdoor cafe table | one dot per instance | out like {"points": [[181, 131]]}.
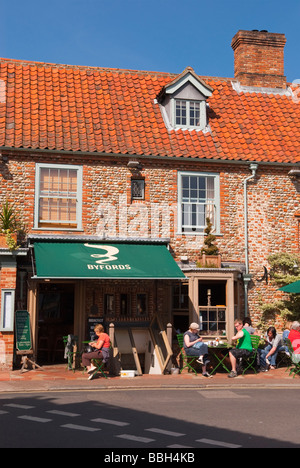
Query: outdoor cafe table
{"points": [[220, 352]]}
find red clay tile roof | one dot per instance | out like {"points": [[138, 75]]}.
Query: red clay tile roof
{"points": [[72, 108]]}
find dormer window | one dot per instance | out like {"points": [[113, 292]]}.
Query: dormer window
{"points": [[187, 113], [183, 102]]}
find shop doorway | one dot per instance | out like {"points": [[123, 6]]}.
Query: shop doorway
{"points": [[55, 320]]}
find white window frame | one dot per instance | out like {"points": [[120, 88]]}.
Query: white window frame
{"points": [[202, 117], [215, 205], [40, 166], [7, 310]]}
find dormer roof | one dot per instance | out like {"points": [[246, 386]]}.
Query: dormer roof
{"points": [[187, 76]]}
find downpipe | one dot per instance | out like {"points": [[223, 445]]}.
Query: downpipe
{"points": [[247, 276]]}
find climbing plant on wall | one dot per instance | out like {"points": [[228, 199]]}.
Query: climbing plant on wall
{"points": [[284, 269]]}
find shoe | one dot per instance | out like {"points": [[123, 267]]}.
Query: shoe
{"points": [[232, 374], [263, 369], [206, 374], [200, 360], [272, 367], [91, 377], [92, 369]]}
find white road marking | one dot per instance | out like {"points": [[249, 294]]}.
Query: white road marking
{"points": [[15, 405], [135, 438], [163, 431], [110, 421], [81, 428], [35, 419], [218, 443], [178, 446], [63, 413]]}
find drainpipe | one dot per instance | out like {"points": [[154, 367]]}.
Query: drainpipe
{"points": [[247, 276]]}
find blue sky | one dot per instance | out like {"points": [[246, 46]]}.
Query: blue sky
{"points": [[158, 35]]}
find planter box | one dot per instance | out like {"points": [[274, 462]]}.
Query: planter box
{"points": [[210, 261], [3, 242]]}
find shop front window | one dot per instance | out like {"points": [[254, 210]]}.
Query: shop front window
{"points": [[212, 308], [124, 305], [109, 304], [141, 305], [212, 320], [180, 307]]}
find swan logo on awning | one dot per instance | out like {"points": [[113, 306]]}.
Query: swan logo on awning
{"points": [[103, 259]]}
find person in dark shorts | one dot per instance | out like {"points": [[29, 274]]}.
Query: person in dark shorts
{"points": [[243, 347]]}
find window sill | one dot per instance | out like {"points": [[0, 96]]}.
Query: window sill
{"points": [[202, 234], [57, 229]]}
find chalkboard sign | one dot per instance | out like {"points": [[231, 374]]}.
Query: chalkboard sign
{"points": [[23, 331], [92, 322]]}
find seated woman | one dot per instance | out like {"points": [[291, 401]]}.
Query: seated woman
{"points": [[268, 355], [101, 351], [194, 346]]}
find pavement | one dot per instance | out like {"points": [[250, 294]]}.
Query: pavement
{"points": [[59, 378]]}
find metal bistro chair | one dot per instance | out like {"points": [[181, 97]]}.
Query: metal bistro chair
{"points": [[294, 367], [187, 361], [284, 357], [251, 360], [99, 363]]}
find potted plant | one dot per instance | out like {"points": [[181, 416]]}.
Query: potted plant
{"points": [[210, 257], [9, 226]]}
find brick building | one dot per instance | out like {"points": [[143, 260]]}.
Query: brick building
{"points": [[114, 172]]}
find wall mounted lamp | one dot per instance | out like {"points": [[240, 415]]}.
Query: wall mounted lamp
{"points": [[295, 173], [134, 164]]}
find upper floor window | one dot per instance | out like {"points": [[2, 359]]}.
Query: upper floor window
{"points": [[58, 194], [198, 198], [187, 113]]}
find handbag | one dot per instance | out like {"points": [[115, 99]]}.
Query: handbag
{"points": [[89, 349]]}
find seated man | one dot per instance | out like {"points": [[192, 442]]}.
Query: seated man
{"points": [[247, 324], [243, 347]]}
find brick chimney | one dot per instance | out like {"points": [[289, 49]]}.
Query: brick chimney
{"points": [[259, 58]]}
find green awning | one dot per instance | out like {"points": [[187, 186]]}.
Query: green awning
{"points": [[103, 261], [291, 288]]}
